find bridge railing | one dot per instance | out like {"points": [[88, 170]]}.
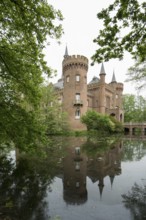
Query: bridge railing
{"points": [[135, 123]]}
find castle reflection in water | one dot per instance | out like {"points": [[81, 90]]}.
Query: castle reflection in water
{"points": [[79, 164]]}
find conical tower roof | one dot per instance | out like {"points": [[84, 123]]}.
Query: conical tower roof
{"points": [[66, 52], [100, 190], [113, 77], [112, 179], [101, 186]]}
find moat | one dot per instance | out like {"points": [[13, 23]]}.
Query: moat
{"points": [[76, 178]]}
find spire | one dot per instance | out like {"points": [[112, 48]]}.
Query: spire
{"points": [[101, 186], [102, 71], [66, 52], [113, 78], [112, 179]]}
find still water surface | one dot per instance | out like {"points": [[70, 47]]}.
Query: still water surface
{"points": [[77, 178]]}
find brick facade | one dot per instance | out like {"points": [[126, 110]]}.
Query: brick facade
{"points": [[77, 96]]}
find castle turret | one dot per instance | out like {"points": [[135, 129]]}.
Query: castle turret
{"points": [[102, 74], [117, 99], [102, 90], [114, 85], [75, 69], [66, 52], [113, 78]]}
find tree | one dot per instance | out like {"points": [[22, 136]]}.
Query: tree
{"points": [[53, 118], [124, 24], [134, 108], [137, 74], [25, 182], [24, 29], [135, 201], [99, 122]]}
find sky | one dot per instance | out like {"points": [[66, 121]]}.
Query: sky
{"points": [[81, 26]]}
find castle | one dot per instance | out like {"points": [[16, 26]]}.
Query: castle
{"points": [[76, 96]]}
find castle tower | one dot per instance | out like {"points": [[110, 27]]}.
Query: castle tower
{"points": [[113, 78], [102, 90], [75, 88], [117, 98], [119, 101], [114, 84], [66, 52]]}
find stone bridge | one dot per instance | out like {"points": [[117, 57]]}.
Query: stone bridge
{"points": [[132, 128]]}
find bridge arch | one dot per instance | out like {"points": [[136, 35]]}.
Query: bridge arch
{"points": [[135, 128]]}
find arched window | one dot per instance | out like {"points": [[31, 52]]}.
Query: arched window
{"points": [[77, 166], [77, 184], [77, 96], [67, 79], [77, 78], [113, 114], [77, 150], [77, 114]]}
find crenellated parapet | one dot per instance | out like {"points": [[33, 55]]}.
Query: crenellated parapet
{"points": [[75, 62], [93, 86], [119, 86]]}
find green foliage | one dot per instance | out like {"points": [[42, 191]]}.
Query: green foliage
{"points": [[124, 25], [137, 74], [24, 28], [54, 119], [134, 108], [99, 122], [135, 201], [134, 150], [118, 125], [99, 144], [24, 186]]}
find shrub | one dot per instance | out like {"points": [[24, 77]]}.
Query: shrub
{"points": [[97, 121], [118, 125]]}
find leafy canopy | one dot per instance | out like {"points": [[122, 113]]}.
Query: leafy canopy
{"points": [[137, 74], [134, 108], [55, 121], [25, 27], [124, 30], [135, 201]]}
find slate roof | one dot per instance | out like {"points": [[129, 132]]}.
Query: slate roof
{"points": [[94, 80], [59, 84]]}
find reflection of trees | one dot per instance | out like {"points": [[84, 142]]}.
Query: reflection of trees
{"points": [[23, 186], [134, 149], [136, 202], [95, 145]]}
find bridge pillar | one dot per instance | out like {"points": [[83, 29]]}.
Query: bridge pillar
{"points": [[143, 131], [133, 126], [131, 130]]}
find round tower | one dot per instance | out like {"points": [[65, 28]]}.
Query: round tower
{"points": [[75, 69]]}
